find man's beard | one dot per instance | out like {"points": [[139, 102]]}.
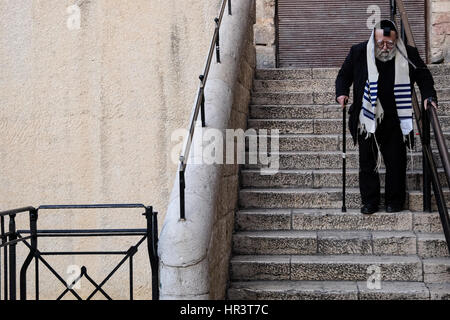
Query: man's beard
{"points": [[385, 55]]}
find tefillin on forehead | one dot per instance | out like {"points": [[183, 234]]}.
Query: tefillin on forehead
{"points": [[387, 26], [387, 31]]}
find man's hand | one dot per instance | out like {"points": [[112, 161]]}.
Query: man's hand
{"points": [[426, 103], [342, 100]]}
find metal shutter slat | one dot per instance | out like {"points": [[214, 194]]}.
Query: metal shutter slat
{"points": [[319, 33]]}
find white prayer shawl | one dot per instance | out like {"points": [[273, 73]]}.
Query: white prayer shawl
{"points": [[372, 111]]}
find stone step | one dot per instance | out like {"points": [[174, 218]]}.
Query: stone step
{"points": [[297, 198], [316, 97], [416, 200], [311, 112], [334, 220], [294, 98], [308, 73], [308, 111], [323, 198], [297, 85], [325, 267], [325, 73], [339, 242], [324, 178], [439, 291], [437, 270], [439, 69], [291, 160], [333, 290], [302, 142], [315, 126], [319, 142], [316, 85], [307, 126], [275, 242], [432, 245]]}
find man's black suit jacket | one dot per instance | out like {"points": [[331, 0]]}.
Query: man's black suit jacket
{"points": [[354, 70]]}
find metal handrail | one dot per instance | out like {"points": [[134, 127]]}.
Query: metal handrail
{"points": [[13, 237], [440, 141], [199, 105], [422, 119]]}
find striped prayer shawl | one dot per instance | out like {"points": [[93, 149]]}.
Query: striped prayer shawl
{"points": [[372, 111]]}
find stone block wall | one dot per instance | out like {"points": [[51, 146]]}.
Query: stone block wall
{"points": [[265, 34], [221, 240], [439, 30], [195, 252]]}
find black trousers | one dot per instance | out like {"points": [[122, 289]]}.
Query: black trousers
{"points": [[393, 149]]}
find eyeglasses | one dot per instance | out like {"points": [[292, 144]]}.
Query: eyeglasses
{"points": [[389, 44]]}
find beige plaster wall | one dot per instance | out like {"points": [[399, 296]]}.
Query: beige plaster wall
{"points": [[86, 114]]}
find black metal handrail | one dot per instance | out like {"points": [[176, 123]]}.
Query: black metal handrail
{"points": [[13, 237], [423, 120], [199, 105]]}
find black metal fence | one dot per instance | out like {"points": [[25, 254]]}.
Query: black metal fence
{"points": [[29, 238]]}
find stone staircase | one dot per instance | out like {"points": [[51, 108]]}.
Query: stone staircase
{"points": [[292, 241]]}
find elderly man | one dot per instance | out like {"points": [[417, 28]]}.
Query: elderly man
{"points": [[383, 71]]}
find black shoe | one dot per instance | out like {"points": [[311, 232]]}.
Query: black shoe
{"points": [[369, 209], [394, 208]]}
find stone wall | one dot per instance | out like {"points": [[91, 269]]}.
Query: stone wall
{"points": [[439, 30], [265, 34], [195, 253], [221, 241]]}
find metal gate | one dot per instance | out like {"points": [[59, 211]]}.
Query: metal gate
{"points": [[319, 33], [11, 237]]}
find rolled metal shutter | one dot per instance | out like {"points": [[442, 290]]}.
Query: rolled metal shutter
{"points": [[319, 33]]}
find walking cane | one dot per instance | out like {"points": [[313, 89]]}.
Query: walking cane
{"points": [[344, 146]]}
